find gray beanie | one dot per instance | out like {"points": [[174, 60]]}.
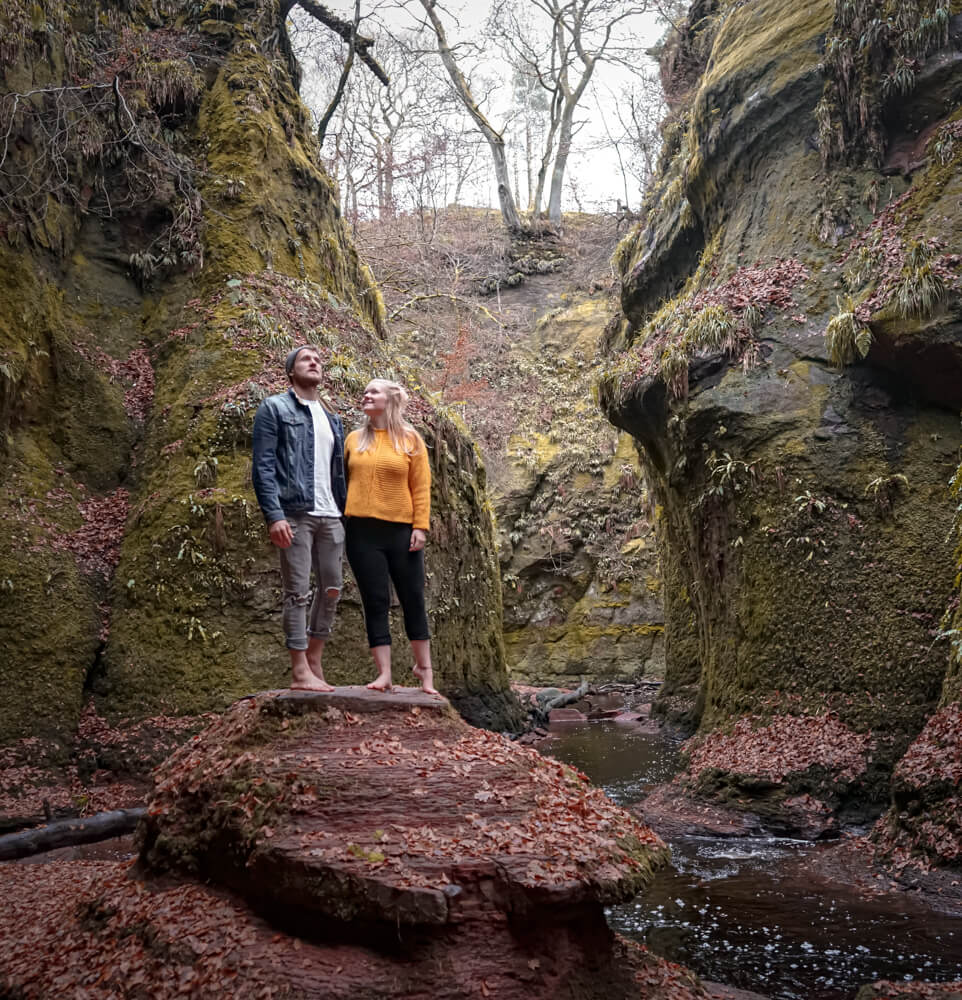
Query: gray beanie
{"points": [[292, 357]]}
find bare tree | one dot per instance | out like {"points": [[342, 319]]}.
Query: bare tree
{"points": [[347, 30], [581, 34], [635, 133], [393, 147], [342, 80], [640, 111], [494, 138]]}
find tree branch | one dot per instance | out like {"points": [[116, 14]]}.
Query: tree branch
{"points": [[342, 82], [444, 295], [347, 31], [69, 832]]}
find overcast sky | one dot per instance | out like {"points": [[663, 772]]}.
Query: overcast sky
{"points": [[593, 166]]}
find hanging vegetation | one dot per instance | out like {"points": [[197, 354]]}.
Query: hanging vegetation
{"points": [[872, 58]]}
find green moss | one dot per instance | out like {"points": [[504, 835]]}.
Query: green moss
{"points": [[64, 427], [49, 625], [559, 654], [771, 39]]}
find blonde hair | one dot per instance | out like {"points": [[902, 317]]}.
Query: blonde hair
{"points": [[403, 436]]}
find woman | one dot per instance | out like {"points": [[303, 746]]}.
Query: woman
{"points": [[387, 514]]}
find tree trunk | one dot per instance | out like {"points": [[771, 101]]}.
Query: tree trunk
{"points": [[509, 210], [558, 171], [572, 97], [387, 202], [527, 160], [69, 832], [554, 118]]}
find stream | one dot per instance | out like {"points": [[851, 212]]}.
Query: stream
{"points": [[727, 909]]}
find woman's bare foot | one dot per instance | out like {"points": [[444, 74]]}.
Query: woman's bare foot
{"points": [[426, 677], [380, 684]]}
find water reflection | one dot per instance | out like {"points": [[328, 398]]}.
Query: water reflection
{"points": [[625, 760], [731, 909]]}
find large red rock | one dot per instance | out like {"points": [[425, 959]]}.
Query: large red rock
{"points": [[362, 806], [348, 845]]}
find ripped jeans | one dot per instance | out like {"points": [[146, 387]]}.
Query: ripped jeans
{"points": [[319, 545]]}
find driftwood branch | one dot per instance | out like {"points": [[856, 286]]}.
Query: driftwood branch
{"points": [[69, 833], [568, 698], [443, 295], [544, 702]]}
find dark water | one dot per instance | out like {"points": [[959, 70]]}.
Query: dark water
{"points": [[729, 909]]}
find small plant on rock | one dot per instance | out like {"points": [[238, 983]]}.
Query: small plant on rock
{"points": [[752, 318], [205, 471], [621, 258], [943, 148], [808, 503], [884, 489], [862, 267], [674, 370], [901, 80], [847, 338], [921, 288], [712, 329], [234, 188], [143, 266], [728, 475], [672, 196]]}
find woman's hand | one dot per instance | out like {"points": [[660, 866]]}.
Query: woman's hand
{"points": [[418, 538]]}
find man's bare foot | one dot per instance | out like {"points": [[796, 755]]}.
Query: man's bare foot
{"points": [[380, 684], [304, 679], [314, 684]]}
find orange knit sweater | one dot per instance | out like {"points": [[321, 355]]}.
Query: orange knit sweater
{"points": [[386, 484]]}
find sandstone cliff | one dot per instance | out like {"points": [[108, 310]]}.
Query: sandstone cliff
{"points": [[582, 595], [791, 362], [167, 234]]}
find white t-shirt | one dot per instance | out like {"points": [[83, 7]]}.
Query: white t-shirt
{"points": [[324, 505]]}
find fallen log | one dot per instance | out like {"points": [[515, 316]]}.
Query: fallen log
{"points": [[567, 698], [547, 700], [69, 833]]}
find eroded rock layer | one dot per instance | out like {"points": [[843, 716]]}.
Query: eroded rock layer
{"points": [[582, 594], [791, 361]]}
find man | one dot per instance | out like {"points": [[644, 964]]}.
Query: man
{"points": [[299, 480]]}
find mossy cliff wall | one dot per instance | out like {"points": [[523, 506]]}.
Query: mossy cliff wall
{"points": [[147, 307], [582, 594], [789, 356]]}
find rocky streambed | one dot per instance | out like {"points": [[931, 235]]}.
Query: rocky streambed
{"points": [[796, 917]]}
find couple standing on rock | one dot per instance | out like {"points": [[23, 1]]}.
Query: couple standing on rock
{"points": [[320, 494]]}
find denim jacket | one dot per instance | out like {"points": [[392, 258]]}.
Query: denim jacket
{"points": [[283, 468]]}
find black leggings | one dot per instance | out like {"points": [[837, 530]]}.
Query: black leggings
{"points": [[377, 550]]}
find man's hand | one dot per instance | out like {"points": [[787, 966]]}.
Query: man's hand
{"points": [[281, 534], [418, 538]]}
